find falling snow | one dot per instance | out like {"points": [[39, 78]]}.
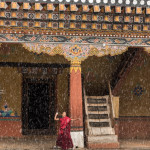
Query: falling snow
{"points": [[30, 97]]}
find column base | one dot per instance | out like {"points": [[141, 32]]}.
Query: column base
{"points": [[77, 139]]}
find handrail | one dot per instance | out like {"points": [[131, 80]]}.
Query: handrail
{"points": [[86, 112], [85, 102], [112, 112]]}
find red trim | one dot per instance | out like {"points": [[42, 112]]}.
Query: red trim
{"points": [[103, 145], [10, 128], [137, 127]]}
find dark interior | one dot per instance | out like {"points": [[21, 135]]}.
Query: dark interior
{"points": [[38, 108]]}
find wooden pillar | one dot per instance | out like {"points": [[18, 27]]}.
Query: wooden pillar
{"points": [[76, 109]]}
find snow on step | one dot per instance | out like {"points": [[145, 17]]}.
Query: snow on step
{"points": [[103, 139], [99, 120], [101, 131], [97, 112], [99, 104]]}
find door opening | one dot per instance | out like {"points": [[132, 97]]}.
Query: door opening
{"points": [[38, 106]]}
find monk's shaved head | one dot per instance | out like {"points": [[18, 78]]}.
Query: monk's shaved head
{"points": [[64, 114]]}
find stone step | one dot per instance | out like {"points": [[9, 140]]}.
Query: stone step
{"points": [[99, 120], [101, 131], [98, 116], [100, 104], [103, 139], [98, 97], [97, 108], [98, 112], [99, 124], [96, 100]]}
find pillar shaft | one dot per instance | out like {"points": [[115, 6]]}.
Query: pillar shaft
{"points": [[76, 105], [76, 97]]}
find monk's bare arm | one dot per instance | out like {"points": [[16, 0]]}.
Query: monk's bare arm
{"points": [[55, 118]]}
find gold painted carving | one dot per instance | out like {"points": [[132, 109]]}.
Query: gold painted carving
{"points": [[57, 50], [76, 53], [75, 65], [76, 50], [147, 49], [93, 51]]}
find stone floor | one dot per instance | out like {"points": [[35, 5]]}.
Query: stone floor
{"points": [[135, 144], [47, 143]]}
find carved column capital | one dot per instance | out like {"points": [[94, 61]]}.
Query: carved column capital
{"points": [[75, 65]]}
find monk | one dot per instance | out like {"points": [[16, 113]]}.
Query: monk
{"points": [[64, 139]]}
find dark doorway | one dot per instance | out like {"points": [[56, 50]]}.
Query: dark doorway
{"points": [[38, 106]]}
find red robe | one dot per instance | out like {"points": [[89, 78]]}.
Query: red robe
{"points": [[64, 139]]}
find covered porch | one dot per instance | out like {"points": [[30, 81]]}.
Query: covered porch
{"points": [[69, 69]]}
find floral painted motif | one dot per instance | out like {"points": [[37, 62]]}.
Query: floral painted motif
{"points": [[138, 90], [76, 50], [71, 52]]}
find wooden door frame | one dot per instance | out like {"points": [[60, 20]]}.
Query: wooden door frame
{"points": [[25, 129]]}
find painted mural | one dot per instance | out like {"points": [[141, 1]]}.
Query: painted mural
{"points": [[6, 111]]}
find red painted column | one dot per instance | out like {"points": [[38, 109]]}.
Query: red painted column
{"points": [[76, 96], [76, 109]]}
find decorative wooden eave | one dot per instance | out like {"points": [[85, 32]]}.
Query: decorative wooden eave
{"points": [[94, 15], [47, 5], [76, 30], [132, 3]]}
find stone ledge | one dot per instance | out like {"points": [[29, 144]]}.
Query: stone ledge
{"points": [[103, 139], [101, 131], [103, 145]]}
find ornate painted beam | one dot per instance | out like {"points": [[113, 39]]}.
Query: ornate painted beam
{"points": [[76, 48], [74, 32], [132, 3], [79, 40]]}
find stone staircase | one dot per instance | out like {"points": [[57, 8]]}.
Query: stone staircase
{"points": [[99, 133]]}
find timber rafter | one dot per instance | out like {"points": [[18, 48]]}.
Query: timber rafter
{"points": [[75, 16]]}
